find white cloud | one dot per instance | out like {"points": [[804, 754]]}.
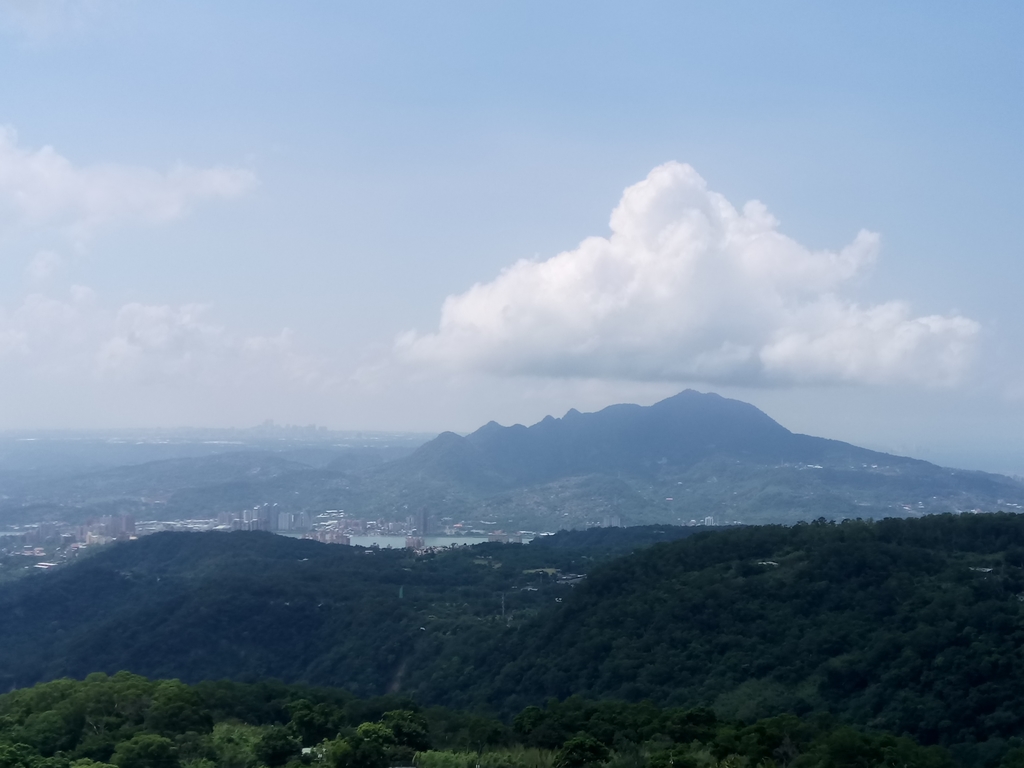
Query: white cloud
{"points": [[160, 341], [48, 337], [77, 339], [40, 187], [43, 266], [688, 288]]}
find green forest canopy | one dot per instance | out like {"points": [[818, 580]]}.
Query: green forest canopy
{"points": [[131, 722], [908, 626]]}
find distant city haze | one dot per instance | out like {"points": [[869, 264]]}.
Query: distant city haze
{"points": [[411, 219]]}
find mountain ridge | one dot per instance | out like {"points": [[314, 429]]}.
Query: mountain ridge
{"points": [[686, 458], [690, 439], [728, 425]]}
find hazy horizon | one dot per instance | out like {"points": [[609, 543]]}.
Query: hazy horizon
{"points": [[270, 433], [418, 219]]}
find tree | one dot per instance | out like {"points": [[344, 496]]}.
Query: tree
{"points": [[177, 708], [368, 747], [528, 720], [409, 729], [313, 723], [48, 732], [1013, 759], [17, 756], [581, 751], [235, 744], [276, 746], [146, 750]]}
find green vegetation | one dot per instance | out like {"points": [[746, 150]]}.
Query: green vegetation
{"points": [[912, 627], [128, 721], [252, 605]]}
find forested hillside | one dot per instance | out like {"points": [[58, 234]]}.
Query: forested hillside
{"points": [[131, 722], [913, 626], [910, 626], [251, 605]]}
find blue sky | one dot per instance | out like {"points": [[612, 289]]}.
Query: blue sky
{"points": [[258, 210]]}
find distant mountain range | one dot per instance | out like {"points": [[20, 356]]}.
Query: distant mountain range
{"points": [[686, 458]]}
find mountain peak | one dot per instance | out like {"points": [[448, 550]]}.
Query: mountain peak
{"points": [[688, 456], [682, 429]]}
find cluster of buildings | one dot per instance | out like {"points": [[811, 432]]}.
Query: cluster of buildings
{"points": [[46, 545], [337, 522], [329, 536], [107, 528], [266, 517], [52, 543], [49, 536], [505, 538]]}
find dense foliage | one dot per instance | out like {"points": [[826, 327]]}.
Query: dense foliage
{"points": [[251, 605], [128, 721], [908, 626], [913, 626]]}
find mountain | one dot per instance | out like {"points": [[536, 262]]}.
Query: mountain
{"points": [[911, 626], [687, 457], [682, 460], [679, 431]]}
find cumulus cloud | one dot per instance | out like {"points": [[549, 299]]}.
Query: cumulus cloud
{"points": [[689, 288], [41, 186]]}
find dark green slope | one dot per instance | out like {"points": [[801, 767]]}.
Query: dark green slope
{"points": [[250, 605], [209, 606], [908, 625], [905, 625]]}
